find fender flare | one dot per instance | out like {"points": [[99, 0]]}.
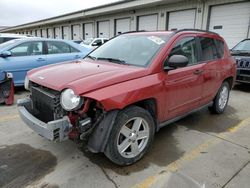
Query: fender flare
{"points": [[99, 138]]}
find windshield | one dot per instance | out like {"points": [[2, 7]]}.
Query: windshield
{"points": [[6, 44], [87, 41], [130, 49], [242, 46]]}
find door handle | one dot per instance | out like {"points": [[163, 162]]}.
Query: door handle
{"points": [[77, 56], [40, 59], [197, 72]]}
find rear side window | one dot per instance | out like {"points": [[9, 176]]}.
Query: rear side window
{"points": [[220, 48], [208, 49], [58, 47]]}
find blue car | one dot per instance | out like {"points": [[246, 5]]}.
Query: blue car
{"points": [[21, 55]]}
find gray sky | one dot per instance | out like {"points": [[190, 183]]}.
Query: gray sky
{"points": [[16, 12]]}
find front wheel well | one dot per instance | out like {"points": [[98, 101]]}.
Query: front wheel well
{"points": [[150, 106], [230, 81]]}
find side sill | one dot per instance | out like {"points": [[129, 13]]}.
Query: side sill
{"points": [[165, 123]]}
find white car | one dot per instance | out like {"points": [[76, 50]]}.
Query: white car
{"points": [[92, 43], [4, 37]]}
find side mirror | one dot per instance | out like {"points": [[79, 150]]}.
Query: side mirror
{"points": [[5, 54], [177, 61]]}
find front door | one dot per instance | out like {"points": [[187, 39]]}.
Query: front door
{"points": [[183, 86], [24, 57]]}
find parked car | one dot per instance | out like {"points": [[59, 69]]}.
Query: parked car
{"points": [[128, 88], [93, 43], [21, 55], [4, 37], [241, 52]]}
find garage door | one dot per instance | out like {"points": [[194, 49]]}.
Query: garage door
{"points": [[103, 29], [184, 19], [88, 31], [50, 33], [38, 33], [57, 33], [231, 21], [66, 34], [122, 25], [148, 23], [34, 32], [44, 34], [76, 32]]}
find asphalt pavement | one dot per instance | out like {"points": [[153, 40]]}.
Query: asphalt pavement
{"points": [[210, 150]]}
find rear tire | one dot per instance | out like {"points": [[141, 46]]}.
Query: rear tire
{"points": [[221, 99], [131, 136]]}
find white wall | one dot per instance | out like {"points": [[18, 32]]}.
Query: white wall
{"points": [[202, 16]]}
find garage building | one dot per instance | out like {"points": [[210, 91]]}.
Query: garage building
{"points": [[229, 18]]}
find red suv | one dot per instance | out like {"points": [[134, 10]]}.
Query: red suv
{"points": [[118, 96]]}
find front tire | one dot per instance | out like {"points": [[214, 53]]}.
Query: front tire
{"points": [[221, 99], [131, 136]]}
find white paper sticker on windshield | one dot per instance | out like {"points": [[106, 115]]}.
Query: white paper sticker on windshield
{"points": [[156, 40]]}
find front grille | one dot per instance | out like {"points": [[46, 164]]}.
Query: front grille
{"points": [[243, 63], [46, 104], [243, 79], [244, 72]]}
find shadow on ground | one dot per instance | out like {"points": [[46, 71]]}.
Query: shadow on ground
{"points": [[242, 87], [204, 121], [164, 148], [164, 151], [21, 165]]}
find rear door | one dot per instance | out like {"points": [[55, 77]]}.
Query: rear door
{"points": [[24, 57], [59, 51], [212, 52], [183, 86]]}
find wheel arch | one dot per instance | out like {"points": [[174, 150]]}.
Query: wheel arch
{"points": [[98, 140], [230, 81], [151, 106]]}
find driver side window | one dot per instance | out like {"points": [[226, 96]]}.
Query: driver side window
{"points": [[186, 47], [27, 49]]}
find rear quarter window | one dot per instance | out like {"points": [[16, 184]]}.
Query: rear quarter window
{"points": [[220, 48], [208, 49]]}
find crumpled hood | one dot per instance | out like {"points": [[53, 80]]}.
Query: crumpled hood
{"points": [[84, 76]]}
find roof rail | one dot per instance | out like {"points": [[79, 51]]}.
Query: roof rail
{"points": [[133, 31], [199, 30]]}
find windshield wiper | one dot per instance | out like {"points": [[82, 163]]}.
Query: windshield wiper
{"points": [[119, 61], [91, 57]]}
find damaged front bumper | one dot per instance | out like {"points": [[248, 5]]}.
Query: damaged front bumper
{"points": [[56, 130]]}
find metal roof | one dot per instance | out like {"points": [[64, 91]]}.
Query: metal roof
{"points": [[98, 10]]}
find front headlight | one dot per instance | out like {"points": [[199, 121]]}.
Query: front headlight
{"points": [[27, 83], [70, 101]]}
